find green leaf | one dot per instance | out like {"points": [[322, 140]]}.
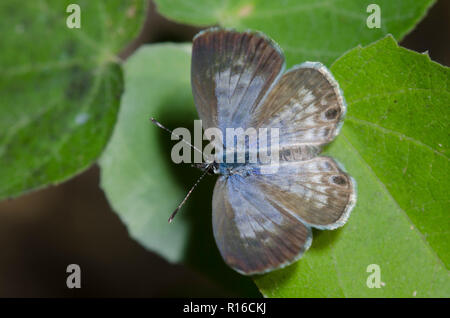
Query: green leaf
{"points": [[60, 87], [315, 30], [140, 180], [395, 143], [397, 119]]}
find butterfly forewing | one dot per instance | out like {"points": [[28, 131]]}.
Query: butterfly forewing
{"points": [[306, 105], [230, 74]]}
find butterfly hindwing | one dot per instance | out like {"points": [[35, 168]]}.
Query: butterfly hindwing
{"points": [[230, 74], [252, 235], [262, 221], [317, 191]]}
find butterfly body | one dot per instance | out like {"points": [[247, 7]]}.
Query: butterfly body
{"points": [[263, 211]]}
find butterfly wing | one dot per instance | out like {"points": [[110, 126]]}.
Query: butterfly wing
{"points": [[262, 221], [306, 105], [230, 74], [253, 235], [317, 191]]}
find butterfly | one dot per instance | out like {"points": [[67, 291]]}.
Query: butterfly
{"points": [[263, 221]]}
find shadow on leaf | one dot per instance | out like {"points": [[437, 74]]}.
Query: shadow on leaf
{"points": [[201, 253]]}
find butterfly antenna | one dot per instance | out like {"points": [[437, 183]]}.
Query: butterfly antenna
{"points": [[208, 167], [157, 123]]}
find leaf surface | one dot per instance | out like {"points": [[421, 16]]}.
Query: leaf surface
{"points": [[140, 180], [307, 30], [394, 142], [387, 89], [60, 87]]}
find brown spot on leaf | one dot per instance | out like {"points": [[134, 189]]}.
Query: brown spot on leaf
{"points": [[245, 10], [131, 11]]}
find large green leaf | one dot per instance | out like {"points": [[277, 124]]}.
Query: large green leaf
{"points": [[140, 180], [395, 144], [395, 132], [316, 30], [60, 87]]}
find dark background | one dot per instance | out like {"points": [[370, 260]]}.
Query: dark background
{"points": [[42, 232]]}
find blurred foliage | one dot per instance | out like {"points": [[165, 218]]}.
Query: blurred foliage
{"points": [[307, 30], [140, 180], [60, 87]]}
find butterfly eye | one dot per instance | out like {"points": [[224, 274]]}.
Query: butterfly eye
{"points": [[340, 180], [331, 113]]}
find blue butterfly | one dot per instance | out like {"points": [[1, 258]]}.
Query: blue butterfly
{"points": [[262, 221]]}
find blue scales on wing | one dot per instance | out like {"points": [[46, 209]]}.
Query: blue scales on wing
{"points": [[230, 74], [262, 220]]}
